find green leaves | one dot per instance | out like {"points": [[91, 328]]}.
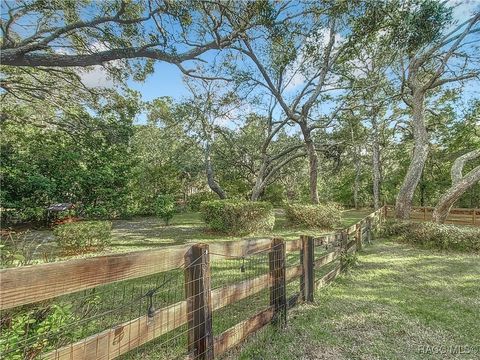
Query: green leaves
{"points": [[37, 330], [436, 236], [238, 217], [165, 207], [406, 26], [83, 236], [323, 216]]}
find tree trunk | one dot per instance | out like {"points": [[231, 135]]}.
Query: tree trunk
{"points": [[376, 171], [356, 160], [460, 184], [404, 200], [453, 194], [214, 186], [259, 186], [356, 186], [313, 163]]}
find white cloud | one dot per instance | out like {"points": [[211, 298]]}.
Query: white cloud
{"points": [[463, 9], [320, 41], [96, 77]]}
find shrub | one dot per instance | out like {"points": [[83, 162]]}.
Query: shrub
{"points": [[195, 200], [18, 249], [275, 194], [165, 207], [96, 212], [324, 216], [84, 236], [238, 216], [432, 235], [37, 331], [15, 216]]}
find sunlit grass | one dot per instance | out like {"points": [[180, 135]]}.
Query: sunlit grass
{"points": [[397, 301], [150, 233]]}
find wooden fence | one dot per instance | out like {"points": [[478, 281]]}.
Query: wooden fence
{"points": [[457, 216], [31, 284]]}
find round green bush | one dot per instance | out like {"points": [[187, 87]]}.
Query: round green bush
{"points": [[165, 207], [323, 216], [195, 200], [83, 236], [238, 217]]}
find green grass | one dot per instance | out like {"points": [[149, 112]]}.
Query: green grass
{"points": [[145, 233], [395, 303], [112, 304], [149, 232]]}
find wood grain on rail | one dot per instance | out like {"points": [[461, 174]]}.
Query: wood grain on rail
{"points": [[114, 342], [30, 284], [326, 259], [239, 248], [236, 334], [229, 294], [328, 277]]}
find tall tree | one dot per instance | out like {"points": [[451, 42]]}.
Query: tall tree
{"points": [[304, 43], [443, 60]]}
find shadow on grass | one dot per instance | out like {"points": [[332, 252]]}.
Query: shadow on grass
{"points": [[393, 304]]}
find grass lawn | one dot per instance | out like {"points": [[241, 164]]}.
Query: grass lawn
{"points": [[106, 306], [149, 232], [144, 233], [398, 302]]}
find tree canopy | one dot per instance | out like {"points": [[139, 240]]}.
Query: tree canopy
{"points": [[362, 103]]}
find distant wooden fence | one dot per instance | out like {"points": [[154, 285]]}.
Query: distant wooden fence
{"points": [[458, 216], [31, 284]]}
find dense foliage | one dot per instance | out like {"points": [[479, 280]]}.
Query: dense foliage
{"points": [[274, 132], [83, 236], [196, 200], [323, 216], [45, 328], [88, 166], [165, 207], [238, 217], [436, 236]]}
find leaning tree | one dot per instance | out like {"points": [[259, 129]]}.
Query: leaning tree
{"points": [[460, 183], [447, 58]]}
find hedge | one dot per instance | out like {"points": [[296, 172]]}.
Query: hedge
{"points": [[195, 200], [324, 216], [83, 236], [432, 235], [238, 217]]}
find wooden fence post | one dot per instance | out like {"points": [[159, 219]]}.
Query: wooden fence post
{"points": [[474, 217], [278, 298], [308, 273], [199, 304], [358, 235], [343, 247]]}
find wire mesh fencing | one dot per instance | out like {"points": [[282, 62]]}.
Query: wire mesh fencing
{"points": [[198, 301]]}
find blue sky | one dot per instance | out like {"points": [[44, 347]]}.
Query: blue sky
{"points": [[165, 81]]}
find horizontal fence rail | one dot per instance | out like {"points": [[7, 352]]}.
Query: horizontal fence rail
{"points": [[264, 271], [456, 216]]}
